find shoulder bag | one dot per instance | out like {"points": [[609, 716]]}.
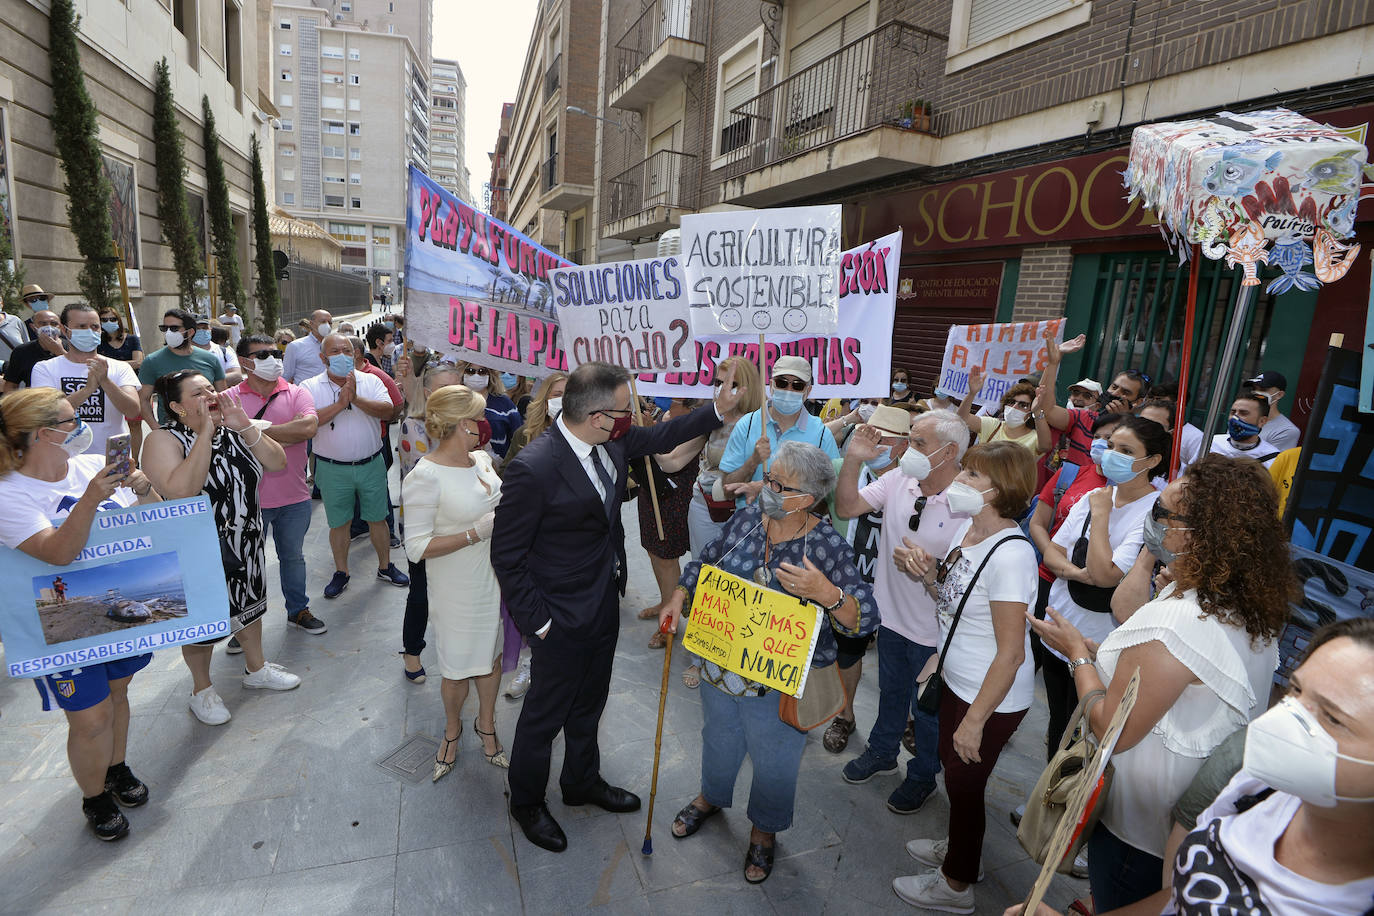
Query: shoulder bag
{"points": [[1067, 769], [1089, 597], [928, 691], [824, 699]]}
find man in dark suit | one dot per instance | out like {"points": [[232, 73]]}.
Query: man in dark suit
{"points": [[558, 548]]}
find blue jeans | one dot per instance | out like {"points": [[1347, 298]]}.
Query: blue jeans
{"points": [[289, 524], [899, 662], [1118, 873], [734, 726]]}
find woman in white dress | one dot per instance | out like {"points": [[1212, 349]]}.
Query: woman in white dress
{"points": [[449, 499]]}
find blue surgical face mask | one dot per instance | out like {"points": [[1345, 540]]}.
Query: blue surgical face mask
{"points": [[509, 379], [341, 365], [787, 403], [85, 339], [1118, 467], [899, 387], [389, 325], [1239, 429], [1098, 447], [883, 459], [202, 337], [110, 326]]}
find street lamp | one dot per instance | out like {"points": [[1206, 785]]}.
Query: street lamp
{"points": [[573, 109]]}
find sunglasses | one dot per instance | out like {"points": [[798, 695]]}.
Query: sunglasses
{"points": [[164, 328], [945, 566], [265, 354], [789, 384], [915, 521], [1160, 514]]}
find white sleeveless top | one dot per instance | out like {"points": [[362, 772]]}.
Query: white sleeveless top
{"points": [[1235, 676]]}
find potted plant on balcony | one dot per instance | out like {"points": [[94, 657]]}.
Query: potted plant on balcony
{"points": [[920, 115], [907, 120]]}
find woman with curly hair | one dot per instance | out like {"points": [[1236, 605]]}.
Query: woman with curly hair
{"points": [[1206, 648]]}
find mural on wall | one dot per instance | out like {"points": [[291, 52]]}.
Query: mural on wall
{"points": [[124, 214]]}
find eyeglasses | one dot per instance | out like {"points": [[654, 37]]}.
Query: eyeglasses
{"points": [[1021, 405], [1159, 514], [789, 384], [265, 354], [777, 486], [616, 411], [164, 328], [945, 566], [915, 521]]}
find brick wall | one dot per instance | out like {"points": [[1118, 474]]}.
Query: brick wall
{"points": [[1043, 285]]}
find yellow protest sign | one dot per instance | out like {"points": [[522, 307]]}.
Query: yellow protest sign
{"points": [[758, 633]]}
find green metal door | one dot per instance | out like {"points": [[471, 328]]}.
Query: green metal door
{"points": [[1131, 306]]}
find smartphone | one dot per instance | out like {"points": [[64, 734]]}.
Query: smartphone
{"points": [[118, 451]]}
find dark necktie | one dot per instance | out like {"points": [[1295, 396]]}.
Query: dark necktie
{"points": [[607, 481]]}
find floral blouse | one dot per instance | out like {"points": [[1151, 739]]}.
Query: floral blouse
{"points": [[739, 551]]}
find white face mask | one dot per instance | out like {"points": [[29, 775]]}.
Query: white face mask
{"points": [[1014, 416], [77, 441], [267, 368], [174, 338], [964, 500], [915, 463], [388, 350], [324, 329], [476, 382], [1287, 749], [555, 407], [866, 411]]}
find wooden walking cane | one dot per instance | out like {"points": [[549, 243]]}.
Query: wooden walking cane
{"points": [[649, 471], [648, 849]]}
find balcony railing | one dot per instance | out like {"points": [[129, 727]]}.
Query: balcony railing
{"points": [[665, 179], [576, 255], [551, 78], [869, 82], [550, 172], [660, 21]]}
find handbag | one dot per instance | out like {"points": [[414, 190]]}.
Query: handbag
{"points": [[1088, 597], [928, 691], [824, 699], [720, 510], [1067, 769]]}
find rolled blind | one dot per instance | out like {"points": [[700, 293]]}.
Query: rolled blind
{"points": [[988, 19]]}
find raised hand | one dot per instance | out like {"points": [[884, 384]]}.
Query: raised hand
{"points": [[975, 380], [729, 396], [232, 413], [865, 442], [98, 369]]}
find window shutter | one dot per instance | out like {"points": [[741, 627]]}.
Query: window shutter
{"points": [[988, 19]]}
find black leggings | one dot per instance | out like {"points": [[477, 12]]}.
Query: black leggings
{"points": [[417, 610], [1062, 697]]}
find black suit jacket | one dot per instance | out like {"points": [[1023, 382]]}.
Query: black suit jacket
{"points": [[554, 550]]}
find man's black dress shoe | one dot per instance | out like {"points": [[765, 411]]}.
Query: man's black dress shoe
{"points": [[603, 795], [539, 826]]}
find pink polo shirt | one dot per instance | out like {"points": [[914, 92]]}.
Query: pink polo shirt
{"points": [[903, 603], [287, 402]]}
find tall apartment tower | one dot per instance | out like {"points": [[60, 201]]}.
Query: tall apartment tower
{"points": [[351, 84], [447, 128]]}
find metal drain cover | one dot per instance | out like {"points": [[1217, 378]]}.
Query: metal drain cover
{"points": [[413, 760]]}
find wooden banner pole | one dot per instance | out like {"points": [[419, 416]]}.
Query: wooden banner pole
{"points": [[648, 468]]}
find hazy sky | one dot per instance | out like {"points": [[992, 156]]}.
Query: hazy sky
{"points": [[489, 42]]}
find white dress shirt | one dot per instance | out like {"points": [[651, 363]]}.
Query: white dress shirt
{"points": [[302, 359], [583, 451], [352, 435]]}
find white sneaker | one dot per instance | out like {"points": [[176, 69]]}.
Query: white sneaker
{"points": [[271, 677], [209, 708], [520, 684], [932, 892], [1080, 863], [932, 853]]}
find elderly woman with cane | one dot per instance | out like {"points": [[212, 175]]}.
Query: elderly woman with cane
{"points": [[778, 542]]}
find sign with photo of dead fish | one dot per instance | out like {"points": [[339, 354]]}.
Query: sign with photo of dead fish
{"points": [[148, 578]]}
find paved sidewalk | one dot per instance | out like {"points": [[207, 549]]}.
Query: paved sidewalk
{"points": [[284, 810]]}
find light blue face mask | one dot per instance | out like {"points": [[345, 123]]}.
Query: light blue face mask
{"points": [[1118, 467], [85, 339], [341, 365], [883, 459], [202, 337], [510, 380], [1098, 447], [787, 403]]}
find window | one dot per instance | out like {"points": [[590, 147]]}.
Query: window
{"points": [[814, 96], [288, 197], [333, 127], [285, 98], [390, 29], [286, 76], [331, 101], [333, 200], [285, 25], [737, 82], [346, 7], [287, 125], [381, 235], [356, 203], [354, 79], [355, 105], [287, 149], [331, 52], [355, 178], [355, 154], [982, 29], [334, 179], [288, 174], [381, 257], [355, 129], [332, 152], [354, 54], [285, 50]]}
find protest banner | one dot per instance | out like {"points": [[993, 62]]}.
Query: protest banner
{"points": [[854, 361], [752, 272], [758, 633], [630, 313], [125, 594], [1005, 353], [475, 288]]}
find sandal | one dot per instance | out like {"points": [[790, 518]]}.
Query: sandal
{"points": [[836, 737], [658, 640], [758, 856], [691, 818], [649, 613], [443, 768], [497, 759], [691, 677]]}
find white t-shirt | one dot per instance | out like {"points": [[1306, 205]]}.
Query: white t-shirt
{"points": [[100, 415], [1009, 576], [1263, 452], [352, 435], [29, 505], [226, 356], [1228, 866], [903, 604], [1125, 532], [1191, 448], [234, 324], [1281, 432]]}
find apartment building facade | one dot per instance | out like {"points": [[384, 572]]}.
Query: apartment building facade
{"points": [[994, 133], [448, 127], [550, 152], [353, 94], [496, 192], [212, 47]]}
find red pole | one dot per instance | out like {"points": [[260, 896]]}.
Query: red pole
{"points": [[1186, 358]]}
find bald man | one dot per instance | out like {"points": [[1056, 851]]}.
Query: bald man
{"points": [[303, 355], [20, 362]]}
